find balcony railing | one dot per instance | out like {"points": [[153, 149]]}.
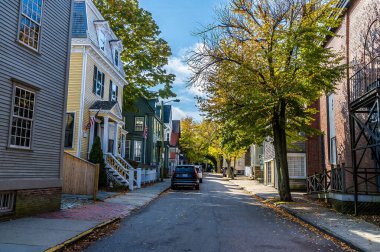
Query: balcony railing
{"points": [[365, 80]]}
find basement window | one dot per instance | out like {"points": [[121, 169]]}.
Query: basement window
{"points": [[7, 200]]}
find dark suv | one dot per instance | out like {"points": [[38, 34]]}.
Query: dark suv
{"points": [[185, 176]]}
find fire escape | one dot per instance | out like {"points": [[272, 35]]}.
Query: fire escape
{"points": [[364, 107]]}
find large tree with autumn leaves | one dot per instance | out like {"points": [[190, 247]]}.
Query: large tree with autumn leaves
{"points": [[263, 64]]}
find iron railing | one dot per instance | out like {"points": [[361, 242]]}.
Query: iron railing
{"points": [[365, 80]]}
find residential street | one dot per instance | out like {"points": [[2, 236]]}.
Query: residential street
{"points": [[219, 217]]}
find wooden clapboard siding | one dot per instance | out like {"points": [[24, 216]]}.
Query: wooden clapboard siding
{"points": [[74, 95], [46, 70], [79, 176], [90, 98]]}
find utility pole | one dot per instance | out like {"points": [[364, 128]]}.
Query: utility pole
{"points": [[162, 141]]}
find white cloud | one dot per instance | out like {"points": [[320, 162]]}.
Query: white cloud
{"points": [[178, 66], [179, 114]]}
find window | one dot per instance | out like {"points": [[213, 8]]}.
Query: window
{"points": [[138, 147], [102, 40], [22, 118], [297, 166], [98, 86], [128, 149], [269, 173], [113, 91], [7, 200], [30, 23], [116, 57], [139, 123], [69, 130]]}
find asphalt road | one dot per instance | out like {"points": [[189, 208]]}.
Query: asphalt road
{"points": [[219, 217]]}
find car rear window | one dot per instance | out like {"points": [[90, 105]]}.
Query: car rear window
{"points": [[184, 169]]}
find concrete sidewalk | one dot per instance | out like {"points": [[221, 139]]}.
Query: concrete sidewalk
{"points": [[359, 233], [46, 231]]}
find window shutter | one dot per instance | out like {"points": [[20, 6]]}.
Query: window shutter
{"points": [[110, 91], [95, 76], [103, 76], [117, 92]]}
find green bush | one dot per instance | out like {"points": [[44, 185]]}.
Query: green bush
{"points": [[96, 157]]}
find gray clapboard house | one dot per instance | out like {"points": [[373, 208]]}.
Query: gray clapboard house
{"points": [[34, 55]]}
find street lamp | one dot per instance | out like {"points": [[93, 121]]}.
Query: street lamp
{"points": [[162, 135]]}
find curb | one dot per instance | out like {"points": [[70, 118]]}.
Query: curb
{"points": [[82, 235], [323, 230]]}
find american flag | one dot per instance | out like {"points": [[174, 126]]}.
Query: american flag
{"points": [[146, 132]]}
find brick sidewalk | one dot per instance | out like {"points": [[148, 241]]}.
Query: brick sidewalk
{"points": [[362, 235], [48, 230]]}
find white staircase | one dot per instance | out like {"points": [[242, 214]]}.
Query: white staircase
{"points": [[122, 173], [119, 173]]}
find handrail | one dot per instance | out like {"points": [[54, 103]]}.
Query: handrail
{"points": [[125, 162], [111, 160]]}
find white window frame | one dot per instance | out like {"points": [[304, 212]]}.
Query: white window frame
{"points": [[142, 126], [31, 21], [99, 86], [304, 165], [31, 120], [102, 40], [113, 91], [135, 156], [116, 56]]}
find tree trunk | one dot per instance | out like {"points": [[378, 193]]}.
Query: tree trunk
{"points": [[229, 171], [279, 134], [219, 164], [233, 173]]}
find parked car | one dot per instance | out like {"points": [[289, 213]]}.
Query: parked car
{"points": [[185, 176], [200, 172]]}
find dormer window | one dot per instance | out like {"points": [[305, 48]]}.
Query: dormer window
{"points": [[116, 57], [102, 40]]}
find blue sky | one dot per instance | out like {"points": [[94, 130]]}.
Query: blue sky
{"points": [[178, 20]]}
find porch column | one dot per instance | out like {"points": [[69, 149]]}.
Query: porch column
{"points": [[123, 145], [105, 135], [91, 140], [115, 139]]}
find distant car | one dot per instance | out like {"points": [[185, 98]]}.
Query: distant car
{"points": [[185, 176], [200, 173]]}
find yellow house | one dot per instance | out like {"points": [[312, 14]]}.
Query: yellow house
{"points": [[96, 82]]}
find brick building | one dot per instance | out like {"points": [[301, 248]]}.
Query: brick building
{"points": [[349, 117]]}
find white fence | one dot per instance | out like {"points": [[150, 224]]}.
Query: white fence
{"points": [[148, 176], [248, 171]]}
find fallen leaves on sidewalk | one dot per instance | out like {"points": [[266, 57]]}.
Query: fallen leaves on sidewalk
{"points": [[271, 203]]}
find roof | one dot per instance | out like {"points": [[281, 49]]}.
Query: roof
{"points": [[103, 105], [79, 29]]}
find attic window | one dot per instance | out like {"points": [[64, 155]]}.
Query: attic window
{"points": [[102, 40], [116, 57]]}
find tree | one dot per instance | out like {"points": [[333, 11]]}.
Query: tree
{"points": [[263, 64], [96, 157], [145, 54]]}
